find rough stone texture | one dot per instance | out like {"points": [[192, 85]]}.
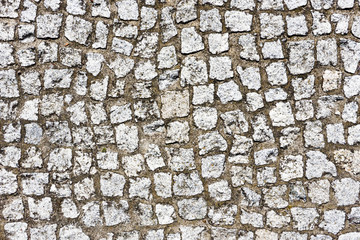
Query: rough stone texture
{"points": [[186, 119]]}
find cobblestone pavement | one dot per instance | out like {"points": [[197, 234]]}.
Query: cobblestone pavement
{"points": [[187, 119]]}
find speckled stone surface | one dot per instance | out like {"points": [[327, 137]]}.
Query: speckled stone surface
{"points": [[179, 119]]}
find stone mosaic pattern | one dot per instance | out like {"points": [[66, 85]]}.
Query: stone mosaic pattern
{"points": [[187, 119]]}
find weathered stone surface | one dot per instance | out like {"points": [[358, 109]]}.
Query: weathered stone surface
{"points": [[186, 119]]}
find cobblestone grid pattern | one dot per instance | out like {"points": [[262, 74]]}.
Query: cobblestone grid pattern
{"points": [[187, 119]]}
